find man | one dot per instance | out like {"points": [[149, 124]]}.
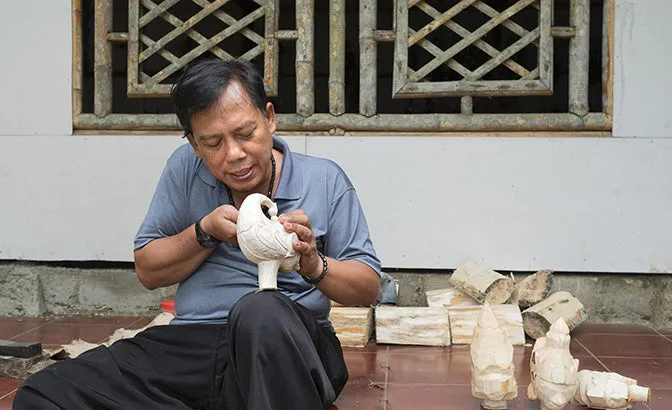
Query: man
{"points": [[230, 347]]}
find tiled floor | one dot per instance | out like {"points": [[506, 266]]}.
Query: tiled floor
{"points": [[404, 377]]}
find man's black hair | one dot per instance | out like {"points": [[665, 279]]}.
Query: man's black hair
{"points": [[204, 81]]}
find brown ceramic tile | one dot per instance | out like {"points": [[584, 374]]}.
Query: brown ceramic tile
{"points": [[654, 372], [140, 322], [366, 349], [12, 326], [627, 345], [8, 385], [660, 400], [62, 333], [6, 401], [610, 329], [432, 396], [365, 367], [362, 396], [120, 321], [398, 349], [429, 368]]}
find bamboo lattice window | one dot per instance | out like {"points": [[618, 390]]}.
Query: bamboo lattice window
{"points": [[440, 65]]}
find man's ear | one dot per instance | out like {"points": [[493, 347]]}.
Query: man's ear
{"points": [[270, 117], [194, 144]]}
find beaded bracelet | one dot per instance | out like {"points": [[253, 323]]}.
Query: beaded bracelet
{"points": [[324, 271]]}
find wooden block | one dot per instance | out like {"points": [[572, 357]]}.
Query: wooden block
{"points": [[463, 320], [539, 318], [534, 288], [447, 297], [353, 325], [482, 284], [19, 349], [17, 367], [422, 326]]}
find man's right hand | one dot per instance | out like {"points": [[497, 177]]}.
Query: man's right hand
{"points": [[221, 223]]}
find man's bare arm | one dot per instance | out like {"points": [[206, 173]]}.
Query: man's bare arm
{"points": [[170, 260]]}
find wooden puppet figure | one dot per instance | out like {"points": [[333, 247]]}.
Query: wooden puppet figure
{"points": [[553, 370], [492, 377], [264, 241]]}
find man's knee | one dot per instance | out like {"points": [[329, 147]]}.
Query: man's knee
{"points": [[262, 311]]}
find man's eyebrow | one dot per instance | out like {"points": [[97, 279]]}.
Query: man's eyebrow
{"points": [[245, 126], [208, 137]]}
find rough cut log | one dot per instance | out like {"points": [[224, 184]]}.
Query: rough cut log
{"points": [[534, 288], [447, 297], [422, 326], [353, 325], [482, 284], [463, 321], [538, 319]]}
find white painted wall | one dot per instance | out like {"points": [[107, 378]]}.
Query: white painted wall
{"points": [[35, 67], [575, 204], [643, 56]]}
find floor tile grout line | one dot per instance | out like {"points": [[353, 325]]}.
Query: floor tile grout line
{"points": [[594, 357], [663, 336], [387, 372], [31, 329], [8, 394]]}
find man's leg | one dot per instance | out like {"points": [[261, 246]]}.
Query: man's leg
{"points": [[280, 358], [164, 367]]}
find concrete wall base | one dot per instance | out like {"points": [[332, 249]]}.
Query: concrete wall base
{"points": [[34, 289]]}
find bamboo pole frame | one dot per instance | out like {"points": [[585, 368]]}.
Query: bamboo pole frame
{"points": [[367, 121]]}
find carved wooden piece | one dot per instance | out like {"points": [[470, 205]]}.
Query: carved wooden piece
{"points": [[492, 370], [538, 318], [447, 297], [605, 390], [264, 241], [553, 370], [534, 288], [482, 284], [422, 326], [463, 320], [353, 325]]}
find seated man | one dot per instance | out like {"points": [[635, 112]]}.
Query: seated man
{"points": [[230, 347]]}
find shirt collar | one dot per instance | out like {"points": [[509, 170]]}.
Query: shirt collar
{"points": [[290, 185]]}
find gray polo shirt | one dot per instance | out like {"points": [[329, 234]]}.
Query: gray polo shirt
{"points": [[187, 191]]}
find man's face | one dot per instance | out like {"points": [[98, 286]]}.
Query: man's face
{"points": [[234, 140]]}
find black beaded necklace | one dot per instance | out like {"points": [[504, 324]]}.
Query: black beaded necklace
{"points": [[270, 186]]}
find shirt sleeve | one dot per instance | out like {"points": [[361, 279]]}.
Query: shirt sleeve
{"points": [[348, 236], [167, 214]]}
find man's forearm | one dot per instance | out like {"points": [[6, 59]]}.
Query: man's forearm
{"points": [[351, 283], [170, 260]]}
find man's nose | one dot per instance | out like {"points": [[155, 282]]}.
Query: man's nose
{"points": [[234, 151]]}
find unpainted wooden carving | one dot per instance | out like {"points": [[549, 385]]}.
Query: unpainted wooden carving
{"points": [[553, 370], [264, 241], [492, 371], [605, 390]]}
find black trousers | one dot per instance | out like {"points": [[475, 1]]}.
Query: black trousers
{"points": [[271, 355]]}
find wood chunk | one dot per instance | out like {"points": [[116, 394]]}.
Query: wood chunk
{"points": [[447, 297], [534, 288], [20, 349], [353, 325], [538, 319], [422, 326], [17, 367], [463, 320], [482, 284]]}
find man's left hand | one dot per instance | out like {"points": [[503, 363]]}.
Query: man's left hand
{"points": [[298, 222]]}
